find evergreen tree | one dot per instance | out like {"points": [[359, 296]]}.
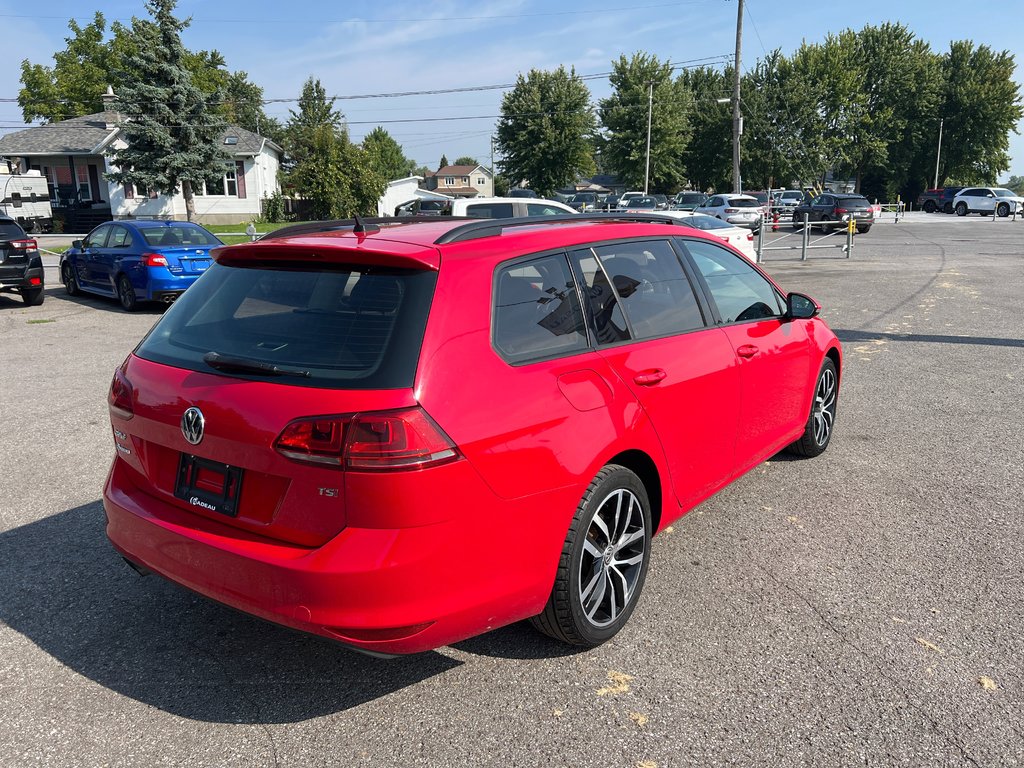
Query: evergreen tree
{"points": [[545, 130], [173, 133], [444, 162]]}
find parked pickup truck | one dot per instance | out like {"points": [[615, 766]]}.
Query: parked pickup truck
{"points": [[939, 199]]}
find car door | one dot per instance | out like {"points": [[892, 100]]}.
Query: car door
{"points": [[985, 201], [113, 257], [90, 271], [771, 352], [650, 326]]}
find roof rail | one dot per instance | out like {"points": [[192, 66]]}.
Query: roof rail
{"points": [[479, 228], [313, 227]]}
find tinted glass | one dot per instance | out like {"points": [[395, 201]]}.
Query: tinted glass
{"points": [[689, 198], [119, 238], [740, 292], [700, 221], [1004, 193], [602, 302], [743, 203], [349, 327], [177, 236], [651, 287], [98, 237], [490, 211], [10, 231], [854, 202], [537, 310], [543, 209]]}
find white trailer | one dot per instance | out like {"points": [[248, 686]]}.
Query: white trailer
{"points": [[25, 197]]}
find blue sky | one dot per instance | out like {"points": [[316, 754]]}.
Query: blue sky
{"points": [[357, 48]]}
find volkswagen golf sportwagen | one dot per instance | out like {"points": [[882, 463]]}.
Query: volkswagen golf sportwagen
{"points": [[400, 433]]}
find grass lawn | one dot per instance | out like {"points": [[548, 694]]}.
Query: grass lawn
{"points": [[220, 229]]}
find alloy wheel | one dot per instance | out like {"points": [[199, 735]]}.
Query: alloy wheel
{"points": [[613, 557], [824, 406]]}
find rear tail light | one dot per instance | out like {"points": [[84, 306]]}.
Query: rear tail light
{"points": [[120, 398], [154, 260], [732, 210], [750, 237], [35, 281], [384, 440], [841, 210], [27, 244]]}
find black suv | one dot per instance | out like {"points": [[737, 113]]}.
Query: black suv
{"points": [[831, 209], [21, 266]]}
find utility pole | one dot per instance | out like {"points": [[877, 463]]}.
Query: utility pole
{"points": [[737, 118], [938, 154], [650, 110]]}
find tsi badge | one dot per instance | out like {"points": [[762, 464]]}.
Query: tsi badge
{"points": [[192, 425]]}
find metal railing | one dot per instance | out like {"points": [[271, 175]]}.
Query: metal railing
{"points": [[806, 244]]}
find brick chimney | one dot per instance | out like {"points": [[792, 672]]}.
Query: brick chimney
{"points": [[108, 106]]}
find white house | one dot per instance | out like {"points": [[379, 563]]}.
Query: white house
{"points": [[74, 156], [402, 191]]}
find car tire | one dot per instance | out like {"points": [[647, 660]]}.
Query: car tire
{"points": [[797, 223], [961, 209], [818, 430], [947, 208], [863, 230], [929, 206], [70, 280], [595, 589], [1002, 210], [126, 294], [32, 297]]}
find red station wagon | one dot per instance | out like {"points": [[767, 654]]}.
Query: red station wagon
{"points": [[402, 433]]}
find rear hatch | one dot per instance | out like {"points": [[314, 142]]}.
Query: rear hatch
{"points": [[262, 343], [15, 249]]}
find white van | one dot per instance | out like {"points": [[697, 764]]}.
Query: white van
{"points": [[485, 207], [25, 197]]}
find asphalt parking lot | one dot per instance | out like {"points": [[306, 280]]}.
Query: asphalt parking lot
{"points": [[862, 608]]}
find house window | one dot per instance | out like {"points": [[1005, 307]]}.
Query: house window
{"points": [[84, 188], [230, 183], [465, 181], [449, 181], [481, 181]]}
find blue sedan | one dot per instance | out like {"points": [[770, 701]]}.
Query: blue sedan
{"points": [[138, 260]]}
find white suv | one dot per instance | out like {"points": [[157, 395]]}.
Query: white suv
{"points": [[986, 200]]}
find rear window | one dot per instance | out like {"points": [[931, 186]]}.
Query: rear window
{"points": [[854, 202], [10, 231], [490, 211], [172, 236], [690, 197], [347, 327], [743, 202]]}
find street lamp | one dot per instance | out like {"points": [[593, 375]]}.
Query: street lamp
{"points": [[650, 110]]}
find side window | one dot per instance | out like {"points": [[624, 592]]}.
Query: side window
{"points": [[714, 202], [537, 310], [490, 211], [16, 199], [602, 302], [651, 288], [739, 290], [119, 238], [98, 237], [540, 209]]}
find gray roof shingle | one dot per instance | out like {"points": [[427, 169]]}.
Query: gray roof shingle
{"points": [[81, 135]]}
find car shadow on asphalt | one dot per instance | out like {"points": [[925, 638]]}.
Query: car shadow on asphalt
{"points": [[105, 303], [67, 590], [845, 335]]}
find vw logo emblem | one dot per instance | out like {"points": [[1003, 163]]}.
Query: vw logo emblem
{"points": [[192, 425]]}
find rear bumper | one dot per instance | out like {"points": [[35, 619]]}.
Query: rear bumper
{"points": [[380, 590], [29, 278], [167, 287]]}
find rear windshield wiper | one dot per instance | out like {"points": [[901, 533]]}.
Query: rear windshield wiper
{"points": [[245, 365]]}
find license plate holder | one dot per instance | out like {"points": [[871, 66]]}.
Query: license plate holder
{"points": [[210, 485]]}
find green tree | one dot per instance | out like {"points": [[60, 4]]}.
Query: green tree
{"points": [[466, 160], [173, 133], [624, 115], [243, 106], [385, 155], [334, 175], [444, 162], [707, 159], [545, 130], [1016, 183], [78, 79], [981, 104]]}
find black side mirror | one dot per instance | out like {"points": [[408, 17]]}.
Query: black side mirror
{"points": [[76, 244], [801, 307]]}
